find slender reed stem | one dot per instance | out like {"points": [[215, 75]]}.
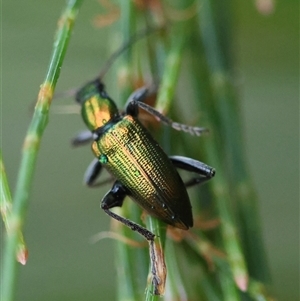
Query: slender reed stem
{"points": [[5, 209], [31, 146], [132, 262], [217, 45], [220, 185]]}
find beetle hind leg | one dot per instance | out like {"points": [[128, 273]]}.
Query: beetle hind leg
{"points": [[115, 198]]}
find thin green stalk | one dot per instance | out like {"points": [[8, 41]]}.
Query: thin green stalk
{"points": [[164, 101], [230, 292], [220, 184], [125, 68], [132, 275], [175, 288], [157, 227], [31, 146], [131, 261], [169, 80], [128, 21], [5, 209], [257, 290], [216, 44]]}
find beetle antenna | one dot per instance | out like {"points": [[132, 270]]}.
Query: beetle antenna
{"points": [[133, 39], [136, 37]]}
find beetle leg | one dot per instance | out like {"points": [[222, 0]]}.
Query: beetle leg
{"points": [[193, 130], [136, 100], [92, 173], [82, 138], [206, 172], [132, 104], [115, 198]]}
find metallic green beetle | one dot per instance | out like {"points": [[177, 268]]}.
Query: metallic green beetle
{"points": [[142, 170]]}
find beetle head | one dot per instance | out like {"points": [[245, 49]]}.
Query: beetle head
{"points": [[97, 108]]}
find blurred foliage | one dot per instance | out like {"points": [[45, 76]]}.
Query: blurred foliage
{"points": [[62, 215]]}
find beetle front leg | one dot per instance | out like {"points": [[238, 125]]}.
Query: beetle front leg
{"points": [[82, 138], [206, 172]]}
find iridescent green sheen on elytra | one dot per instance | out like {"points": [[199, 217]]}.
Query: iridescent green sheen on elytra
{"points": [[139, 163]]}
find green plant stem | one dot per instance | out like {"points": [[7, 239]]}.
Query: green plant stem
{"points": [[216, 44], [132, 262], [257, 290], [5, 201], [213, 153], [159, 229], [170, 76], [175, 285], [128, 22], [31, 146], [5, 209]]}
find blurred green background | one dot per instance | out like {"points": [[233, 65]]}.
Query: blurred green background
{"points": [[64, 214]]}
